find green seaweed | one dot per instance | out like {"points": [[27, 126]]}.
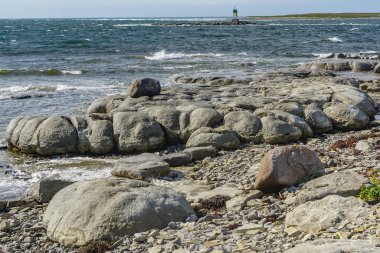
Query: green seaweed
{"points": [[371, 194]]}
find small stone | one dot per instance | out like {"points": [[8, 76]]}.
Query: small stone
{"points": [[249, 228], [210, 244]]}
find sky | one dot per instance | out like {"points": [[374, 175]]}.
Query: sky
{"points": [[175, 8]]}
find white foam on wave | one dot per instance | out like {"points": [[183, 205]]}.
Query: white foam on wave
{"points": [[163, 55], [354, 29], [16, 186], [131, 25], [368, 52], [72, 72], [335, 40], [322, 55]]}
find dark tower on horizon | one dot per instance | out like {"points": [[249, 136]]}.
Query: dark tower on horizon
{"points": [[235, 13]]}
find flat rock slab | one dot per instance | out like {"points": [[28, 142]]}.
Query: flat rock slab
{"points": [[320, 215], [345, 184], [199, 153], [109, 209], [45, 189], [177, 159], [334, 246], [196, 191], [141, 167]]}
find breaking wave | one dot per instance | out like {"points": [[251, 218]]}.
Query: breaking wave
{"points": [[163, 55], [335, 40], [39, 72]]}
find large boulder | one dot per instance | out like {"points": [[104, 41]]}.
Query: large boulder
{"points": [[345, 184], [204, 117], [109, 209], [137, 132], [335, 246], [320, 215], [23, 136], [144, 87], [173, 122], [361, 66], [42, 135], [287, 166], [206, 136], [94, 136], [289, 107], [317, 120], [346, 117], [276, 131], [105, 104], [245, 124], [354, 97], [56, 135]]}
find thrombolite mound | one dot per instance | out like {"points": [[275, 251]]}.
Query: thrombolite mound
{"points": [[107, 209], [273, 108]]}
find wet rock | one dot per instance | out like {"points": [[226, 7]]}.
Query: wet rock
{"points": [[199, 153], [45, 189], [245, 124], [141, 167], [287, 166], [177, 159], [346, 117], [136, 132], [144, 87], [345, 184], [315, 216], [276, 131], [108, 209], [334, 246], [205, 137]]}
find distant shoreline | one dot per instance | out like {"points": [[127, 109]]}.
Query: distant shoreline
{"points": [[318, 16]]}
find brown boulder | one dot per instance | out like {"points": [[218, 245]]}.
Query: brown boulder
{"points": [[287, 166], [145, 87]]}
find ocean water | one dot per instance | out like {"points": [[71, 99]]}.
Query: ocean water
{"points": [[60, 65]]}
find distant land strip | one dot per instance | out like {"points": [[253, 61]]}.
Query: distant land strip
{"points": [[318, 16]]}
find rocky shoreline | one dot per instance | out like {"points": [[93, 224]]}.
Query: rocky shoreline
{"points": [[225, 187]]}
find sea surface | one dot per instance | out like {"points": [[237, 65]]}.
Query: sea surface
{"points": [[58, 66]]}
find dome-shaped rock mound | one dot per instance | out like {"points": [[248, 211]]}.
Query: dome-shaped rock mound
{"points": [[107, 209]]}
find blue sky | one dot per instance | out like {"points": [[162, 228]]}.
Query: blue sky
{"points": [[176, 8]]}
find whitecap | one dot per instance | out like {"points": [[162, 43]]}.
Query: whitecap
{"points": [[243, 53], [335, 40], [368, 52], [323, 55], [72, 72], [354, 29], [163, 55]]}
